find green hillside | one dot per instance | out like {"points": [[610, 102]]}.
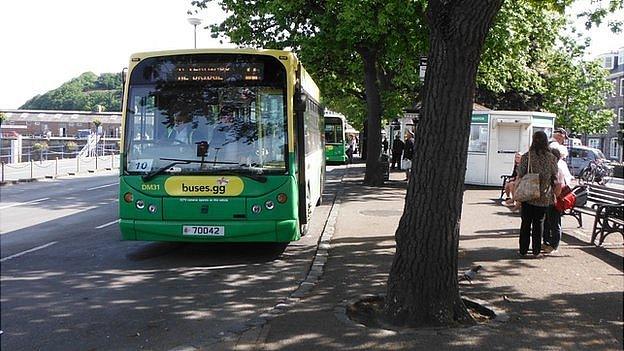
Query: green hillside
{"points": [[83, 93]]}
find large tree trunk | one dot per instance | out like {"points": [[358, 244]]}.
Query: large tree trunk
{"points": [[373, 175], [422, 286]]}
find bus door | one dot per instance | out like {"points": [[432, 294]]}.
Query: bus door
{"points": [[300, 104]]}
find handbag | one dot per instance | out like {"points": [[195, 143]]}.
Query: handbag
{"points": [[528, 187], [566, 200], [407, 164]]}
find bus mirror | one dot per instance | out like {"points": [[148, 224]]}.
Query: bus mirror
{"points": [[301, 102], [202, 148], [124, 74]]}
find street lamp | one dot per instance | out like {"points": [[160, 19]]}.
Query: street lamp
{"points": [[195, 21]]}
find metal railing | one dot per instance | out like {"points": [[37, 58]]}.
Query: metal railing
{"points": [[57, 167]]}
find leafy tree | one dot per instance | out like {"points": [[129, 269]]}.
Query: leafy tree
{"points": [[576, 89], [357, 51], [41, 147], [82, 93], [2, 117], [512, 63], [71, 146]]}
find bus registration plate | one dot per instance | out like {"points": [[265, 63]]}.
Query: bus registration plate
{"points": [[203, 230]]}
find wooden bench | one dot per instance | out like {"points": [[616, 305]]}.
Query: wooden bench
{"points": [[606, 205]]}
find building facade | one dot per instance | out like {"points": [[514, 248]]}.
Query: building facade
{"points": [[611, 143], [35, 123]]}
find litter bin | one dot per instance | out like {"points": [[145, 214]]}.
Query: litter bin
{"points": [[384, 164]]}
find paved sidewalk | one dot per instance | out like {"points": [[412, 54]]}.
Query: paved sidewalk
{"points": [[570, 301]]}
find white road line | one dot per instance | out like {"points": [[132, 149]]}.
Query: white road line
{"points": [[102, 186], [28, 251], [24, 203], [107, 224]]}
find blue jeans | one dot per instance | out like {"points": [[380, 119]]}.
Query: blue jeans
{"points": [[531, 228], [552, 227]]}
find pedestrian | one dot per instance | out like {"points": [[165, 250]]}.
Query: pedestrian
{"points": [[541, 161], [384, 145], [350, 149], [552, 223], [397, 150], [408, 154], [559, 137]]}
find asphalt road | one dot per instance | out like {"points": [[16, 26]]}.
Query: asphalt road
{"points": [[69, 283]]}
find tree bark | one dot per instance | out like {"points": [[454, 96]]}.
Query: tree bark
{"points": [[422, 286], [373, 175]]}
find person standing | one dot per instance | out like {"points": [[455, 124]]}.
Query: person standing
{"points": [[384, 145], [350, 149], [408, 154], [552, 224], [541, 161], [559, 136], [397, 150]]}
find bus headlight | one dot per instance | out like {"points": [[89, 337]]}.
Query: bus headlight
{"points": [[128, 197], [140, 204], [282, 198], [152, 208], [269, 205], [256, 208]]}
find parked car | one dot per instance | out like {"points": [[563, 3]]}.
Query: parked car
{"points": [[579, 158]]}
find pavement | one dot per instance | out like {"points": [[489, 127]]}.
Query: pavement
{"points": [[572, 300]]}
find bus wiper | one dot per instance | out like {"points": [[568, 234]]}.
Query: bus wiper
{"points": [[176, 161], [152, 174]]}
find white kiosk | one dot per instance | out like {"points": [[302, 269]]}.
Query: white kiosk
{"points": [[495, 137]]}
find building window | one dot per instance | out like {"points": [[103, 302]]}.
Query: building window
{"points": [[593, 142], [614, 148], [621, 57], [621, 115], [614, 91], [607, 62], [622, 83]]}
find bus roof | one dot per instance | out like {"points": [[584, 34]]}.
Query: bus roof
{"points": [[269, 52]]}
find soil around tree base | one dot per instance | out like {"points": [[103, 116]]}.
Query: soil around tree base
{"points": [[367, 311]]}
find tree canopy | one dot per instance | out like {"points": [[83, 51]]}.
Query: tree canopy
{"points": [[83, 93]]}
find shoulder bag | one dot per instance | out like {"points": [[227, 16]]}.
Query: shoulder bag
{"points": [[528, 187], [566, 200]]}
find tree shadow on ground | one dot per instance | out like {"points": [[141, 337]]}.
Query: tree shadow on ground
{"points": [[359, 266]]}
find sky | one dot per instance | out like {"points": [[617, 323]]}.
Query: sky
{"points": [[44, 43]]}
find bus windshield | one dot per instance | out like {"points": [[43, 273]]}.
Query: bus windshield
{"points": [[235, 105], [333, 130]]}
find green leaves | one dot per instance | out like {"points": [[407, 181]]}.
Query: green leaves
{"points": [[576, 91]]}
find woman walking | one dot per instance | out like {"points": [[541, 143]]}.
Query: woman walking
{"points": [[544, 163]]}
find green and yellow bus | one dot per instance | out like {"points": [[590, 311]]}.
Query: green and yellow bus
{"points": [[219, 145], [335, 140]]}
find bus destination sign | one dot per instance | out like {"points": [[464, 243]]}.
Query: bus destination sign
{"points": [[227, 71]]}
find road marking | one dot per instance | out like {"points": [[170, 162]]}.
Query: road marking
{"points": [[28, 251], [102, 186], [107, 224], [25, 203]]}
